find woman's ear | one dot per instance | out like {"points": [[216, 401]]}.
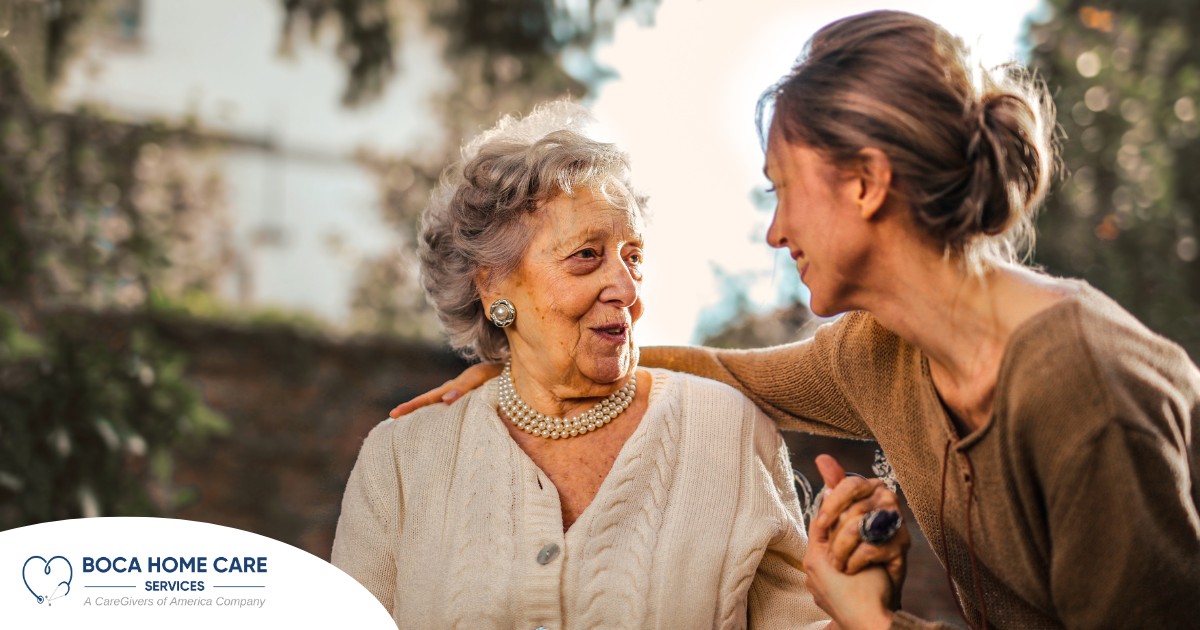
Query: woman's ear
{"points": [[875, 181]]}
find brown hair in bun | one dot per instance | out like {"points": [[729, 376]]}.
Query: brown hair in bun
{"points": [[971, 149]]}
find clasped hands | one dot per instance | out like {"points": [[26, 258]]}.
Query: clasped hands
{"points": [[856, 582]]}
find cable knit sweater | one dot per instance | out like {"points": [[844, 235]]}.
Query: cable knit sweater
{"points": [[451, 525], [1074, 506]]}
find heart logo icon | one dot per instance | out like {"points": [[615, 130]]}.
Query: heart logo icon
{"points": [[48, 580]]}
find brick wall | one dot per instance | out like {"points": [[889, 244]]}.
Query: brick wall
{"points": [[299, 406]]}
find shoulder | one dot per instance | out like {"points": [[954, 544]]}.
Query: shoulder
{"points": [[874, 367], [853, 331], [431, 416], [386, 432], [700, 394], [703, 402], [1089, 358], [1122, 347], [869, 354], [381, 434], [860, 330], [417, 435]]}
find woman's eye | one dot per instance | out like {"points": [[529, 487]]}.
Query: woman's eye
{"points": [[587, 254], [635, 258]]}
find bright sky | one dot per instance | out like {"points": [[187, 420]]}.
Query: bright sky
{"points": [[683, 107]]}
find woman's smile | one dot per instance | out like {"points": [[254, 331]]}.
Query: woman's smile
{"points": [[617, 334]]}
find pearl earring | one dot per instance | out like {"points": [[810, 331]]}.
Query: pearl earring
{"points": [[503, 313]]}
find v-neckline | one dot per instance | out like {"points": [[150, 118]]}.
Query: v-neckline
{"points": [[962, 442], [658, 381]]}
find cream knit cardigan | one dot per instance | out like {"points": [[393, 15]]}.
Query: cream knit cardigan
{"points": [[451, 525]]}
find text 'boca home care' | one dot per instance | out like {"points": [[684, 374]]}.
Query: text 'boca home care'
{"points": [[171, 564]]}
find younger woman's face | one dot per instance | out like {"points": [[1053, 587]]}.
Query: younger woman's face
{"points": [[818, 219]]}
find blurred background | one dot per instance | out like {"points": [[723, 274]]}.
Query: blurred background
{"points": [[208, 291]]}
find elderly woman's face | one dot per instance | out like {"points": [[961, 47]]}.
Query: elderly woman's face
{"points": [[576, 293]]}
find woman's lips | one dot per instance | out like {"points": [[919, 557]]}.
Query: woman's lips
{"points": [[616, 333]]}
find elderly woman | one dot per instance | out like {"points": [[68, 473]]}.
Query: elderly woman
{"points": [[575, 490]]}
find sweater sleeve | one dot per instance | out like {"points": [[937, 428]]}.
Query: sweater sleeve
{"points": [[778, 596], [1125, 533], [370, 517], [795, 384]]}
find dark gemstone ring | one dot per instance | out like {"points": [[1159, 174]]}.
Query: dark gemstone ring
{"points": [[879, 526]]}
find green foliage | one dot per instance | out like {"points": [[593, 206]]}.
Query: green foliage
{"points": [[1126, 81], [84, 410]]}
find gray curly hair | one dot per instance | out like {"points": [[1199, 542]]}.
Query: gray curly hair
{"points": [[478, 214]]}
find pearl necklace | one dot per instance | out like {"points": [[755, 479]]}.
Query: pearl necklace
{"points": [[541, 425]]}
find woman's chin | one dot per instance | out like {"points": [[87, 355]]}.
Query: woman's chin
{"points": [[822, 306], [819, 309], [609, 369]]}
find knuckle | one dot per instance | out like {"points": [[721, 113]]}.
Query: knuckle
{"points": [[855, 484], [871, 552]]}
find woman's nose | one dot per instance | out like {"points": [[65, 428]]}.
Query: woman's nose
{"points": [[621, 287], [775, 237]]}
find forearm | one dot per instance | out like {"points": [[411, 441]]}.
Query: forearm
{"points": [[698, 360], [793, 384]]}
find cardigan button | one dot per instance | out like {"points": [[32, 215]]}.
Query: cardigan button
{"points": [[548, 553]]}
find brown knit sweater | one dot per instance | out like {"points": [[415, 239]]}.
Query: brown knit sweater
{"points": [[1078, 497]]}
